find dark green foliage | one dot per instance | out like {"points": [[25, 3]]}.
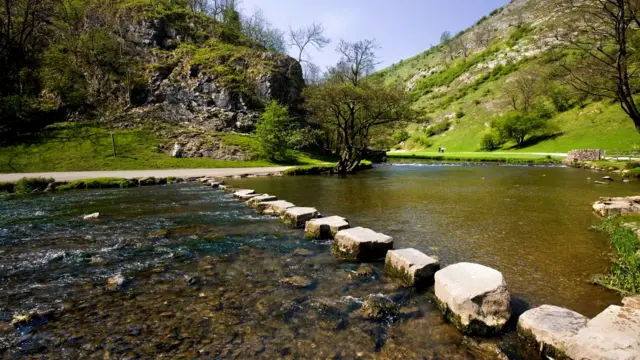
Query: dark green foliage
{"points": [[310, 170], [496, 11], [29, 185], [7, 187], [276, 132], [400, 136], [460, 114], [518, 34], [632, 165], [490, 141], [438, 128], [561, 98], [625, 270], [231, 27], [635, 173], [517, 126], [99, 183]]}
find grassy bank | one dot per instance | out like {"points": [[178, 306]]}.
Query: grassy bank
{"points": [[624, 275], [83, 147], [514, 158]]}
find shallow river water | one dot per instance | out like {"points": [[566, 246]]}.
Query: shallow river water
{"points": [[204, 271]]}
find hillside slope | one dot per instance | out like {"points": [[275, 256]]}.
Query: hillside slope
{"points": [[461, 95]]}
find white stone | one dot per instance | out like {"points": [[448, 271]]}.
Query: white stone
{"points": [[240, 193], [298, 216], [94, 216], [273, 207], [253, 202], [325, 228], [632, 302], [550, 327], [612, 335], [475, 295], [414, 267], [361, 244], [247, 197], [617, 206]]}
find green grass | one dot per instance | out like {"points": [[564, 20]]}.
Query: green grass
{"points": [[83, 147], [624, 275], [512, 158]]}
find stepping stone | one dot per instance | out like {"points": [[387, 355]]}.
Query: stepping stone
{"points": [[223, 187], [240, 193], [325, 228], [361, 244], [273, 207], [298, 216], [411, 266], [216, 184], [613, 334], [548, 328], [473, 297], [253, 202], [247, 197]]}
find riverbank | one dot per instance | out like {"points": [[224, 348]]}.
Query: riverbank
{"points": [[508, 158]]}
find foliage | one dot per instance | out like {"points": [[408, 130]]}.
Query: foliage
{"points": [[512, 158], [517, 126], [490, 141], [518, 34], [632, 165], [310, 170], [98, 183], [419, 142], [439, 128], [29, 185], [276, 132], [625, 270], [635, 173], [561, 98], [401, 136], [7, 187]]}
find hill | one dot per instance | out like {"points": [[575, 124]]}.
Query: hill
{"points": [[466, 83]]}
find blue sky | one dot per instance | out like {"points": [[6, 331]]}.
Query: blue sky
{"points": [[403, 28]]}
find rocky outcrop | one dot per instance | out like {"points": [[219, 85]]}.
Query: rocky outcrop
{"points": [[617, 206], [360, 244], [411, 266], [325, 228], [473, 297]]}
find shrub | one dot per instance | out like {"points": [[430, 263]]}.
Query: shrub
{"points": [[29, 185], [459, 114], [517, 126], [438, 128], [419, 142], [6, 187], [490, 141], [400, 136], [275, 132], [561, 98], [518, 34], [628, 166], [634, 173]]}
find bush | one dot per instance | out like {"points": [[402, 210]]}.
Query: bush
{"points": [[635, 173], [517, 127], [632, 165], [459, 114], [438, 128], [275, 132], [6, 187], [419, 142], [400, 136], [29, 185], [490, 141], [518, 34], [561, 98]]}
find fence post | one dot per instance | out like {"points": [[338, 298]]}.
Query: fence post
{"points": [[113, 144]]}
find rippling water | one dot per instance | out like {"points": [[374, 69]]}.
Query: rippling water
{"points": [[204, 270]]}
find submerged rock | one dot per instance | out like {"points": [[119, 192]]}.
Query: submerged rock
{"points": [[94, 216], [617, 206], [296, 281], [377, 307], [473, 297], [548, 328], [361, 244], [116, 283], [411, 266], [302, 252], [273, 207], [325, 228], [298, 216], [363, 271]]}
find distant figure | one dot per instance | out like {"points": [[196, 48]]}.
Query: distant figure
{"points": [[441, 150]]}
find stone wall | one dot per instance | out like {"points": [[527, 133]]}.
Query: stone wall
{"points": [[584, 155]]}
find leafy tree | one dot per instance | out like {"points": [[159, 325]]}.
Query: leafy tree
{"points": [[518, 126], [490, 141], [400, 136], [523, 89], [276, 132], [231, 28]]}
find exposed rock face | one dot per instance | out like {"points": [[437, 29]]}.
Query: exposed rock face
{"points": [[298, 216], [276, 208], [549, 328], [411, 266], [325, 228], [360, 244], [474, 297], [617, 206]]}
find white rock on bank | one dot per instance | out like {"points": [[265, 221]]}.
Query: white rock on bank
{"points": [[253, 202], [325, 228], [94, 216], [549, 328], [473, 297], [617, 206], [273, 207], [361, 244], [298, 216], [612, 335], [411, 266]]}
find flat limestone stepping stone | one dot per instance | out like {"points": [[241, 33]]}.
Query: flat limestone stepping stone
{"points": [[411, 266], [247, 197], [273, 207], [361, 244], [253, 202], [612, 335], [245, 192], [473, 297], [298, 216], [548, 328], [325, 228]]}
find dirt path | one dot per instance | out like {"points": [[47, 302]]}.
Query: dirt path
{"points": [[129, 174]]}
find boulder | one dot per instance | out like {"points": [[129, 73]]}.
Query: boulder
{"points": [[325, 228], [411, 266], [360, 244], [617, 206], [473, 297], [548, 328], [298, 216], [297, 282], [243, 193], [94, 216], [273, 207], [254, 201], [147, 181], [377, 307], [613, 334]]}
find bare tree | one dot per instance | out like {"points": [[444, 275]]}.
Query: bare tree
{"points": [[461, 45], [523, 89], [483, 35], [603, 31], [257, 27], [447, 45], [357, 61], [312, 35], [312, 73]]}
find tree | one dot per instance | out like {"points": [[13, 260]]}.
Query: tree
{"points": [[231, 27], [517, 126], [300, 39], [522, 90], [275, 132], [256, 27], [605, 32], [461, 45], [483, 35], [349, 106], [447, 45]]}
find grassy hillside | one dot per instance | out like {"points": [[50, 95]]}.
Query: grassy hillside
{"points": [[461, 97], [85, 147]]}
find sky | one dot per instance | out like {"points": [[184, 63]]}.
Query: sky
{"points": [[402, 28]]}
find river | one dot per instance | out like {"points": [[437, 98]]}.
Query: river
{"points": [[204, 270]]}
